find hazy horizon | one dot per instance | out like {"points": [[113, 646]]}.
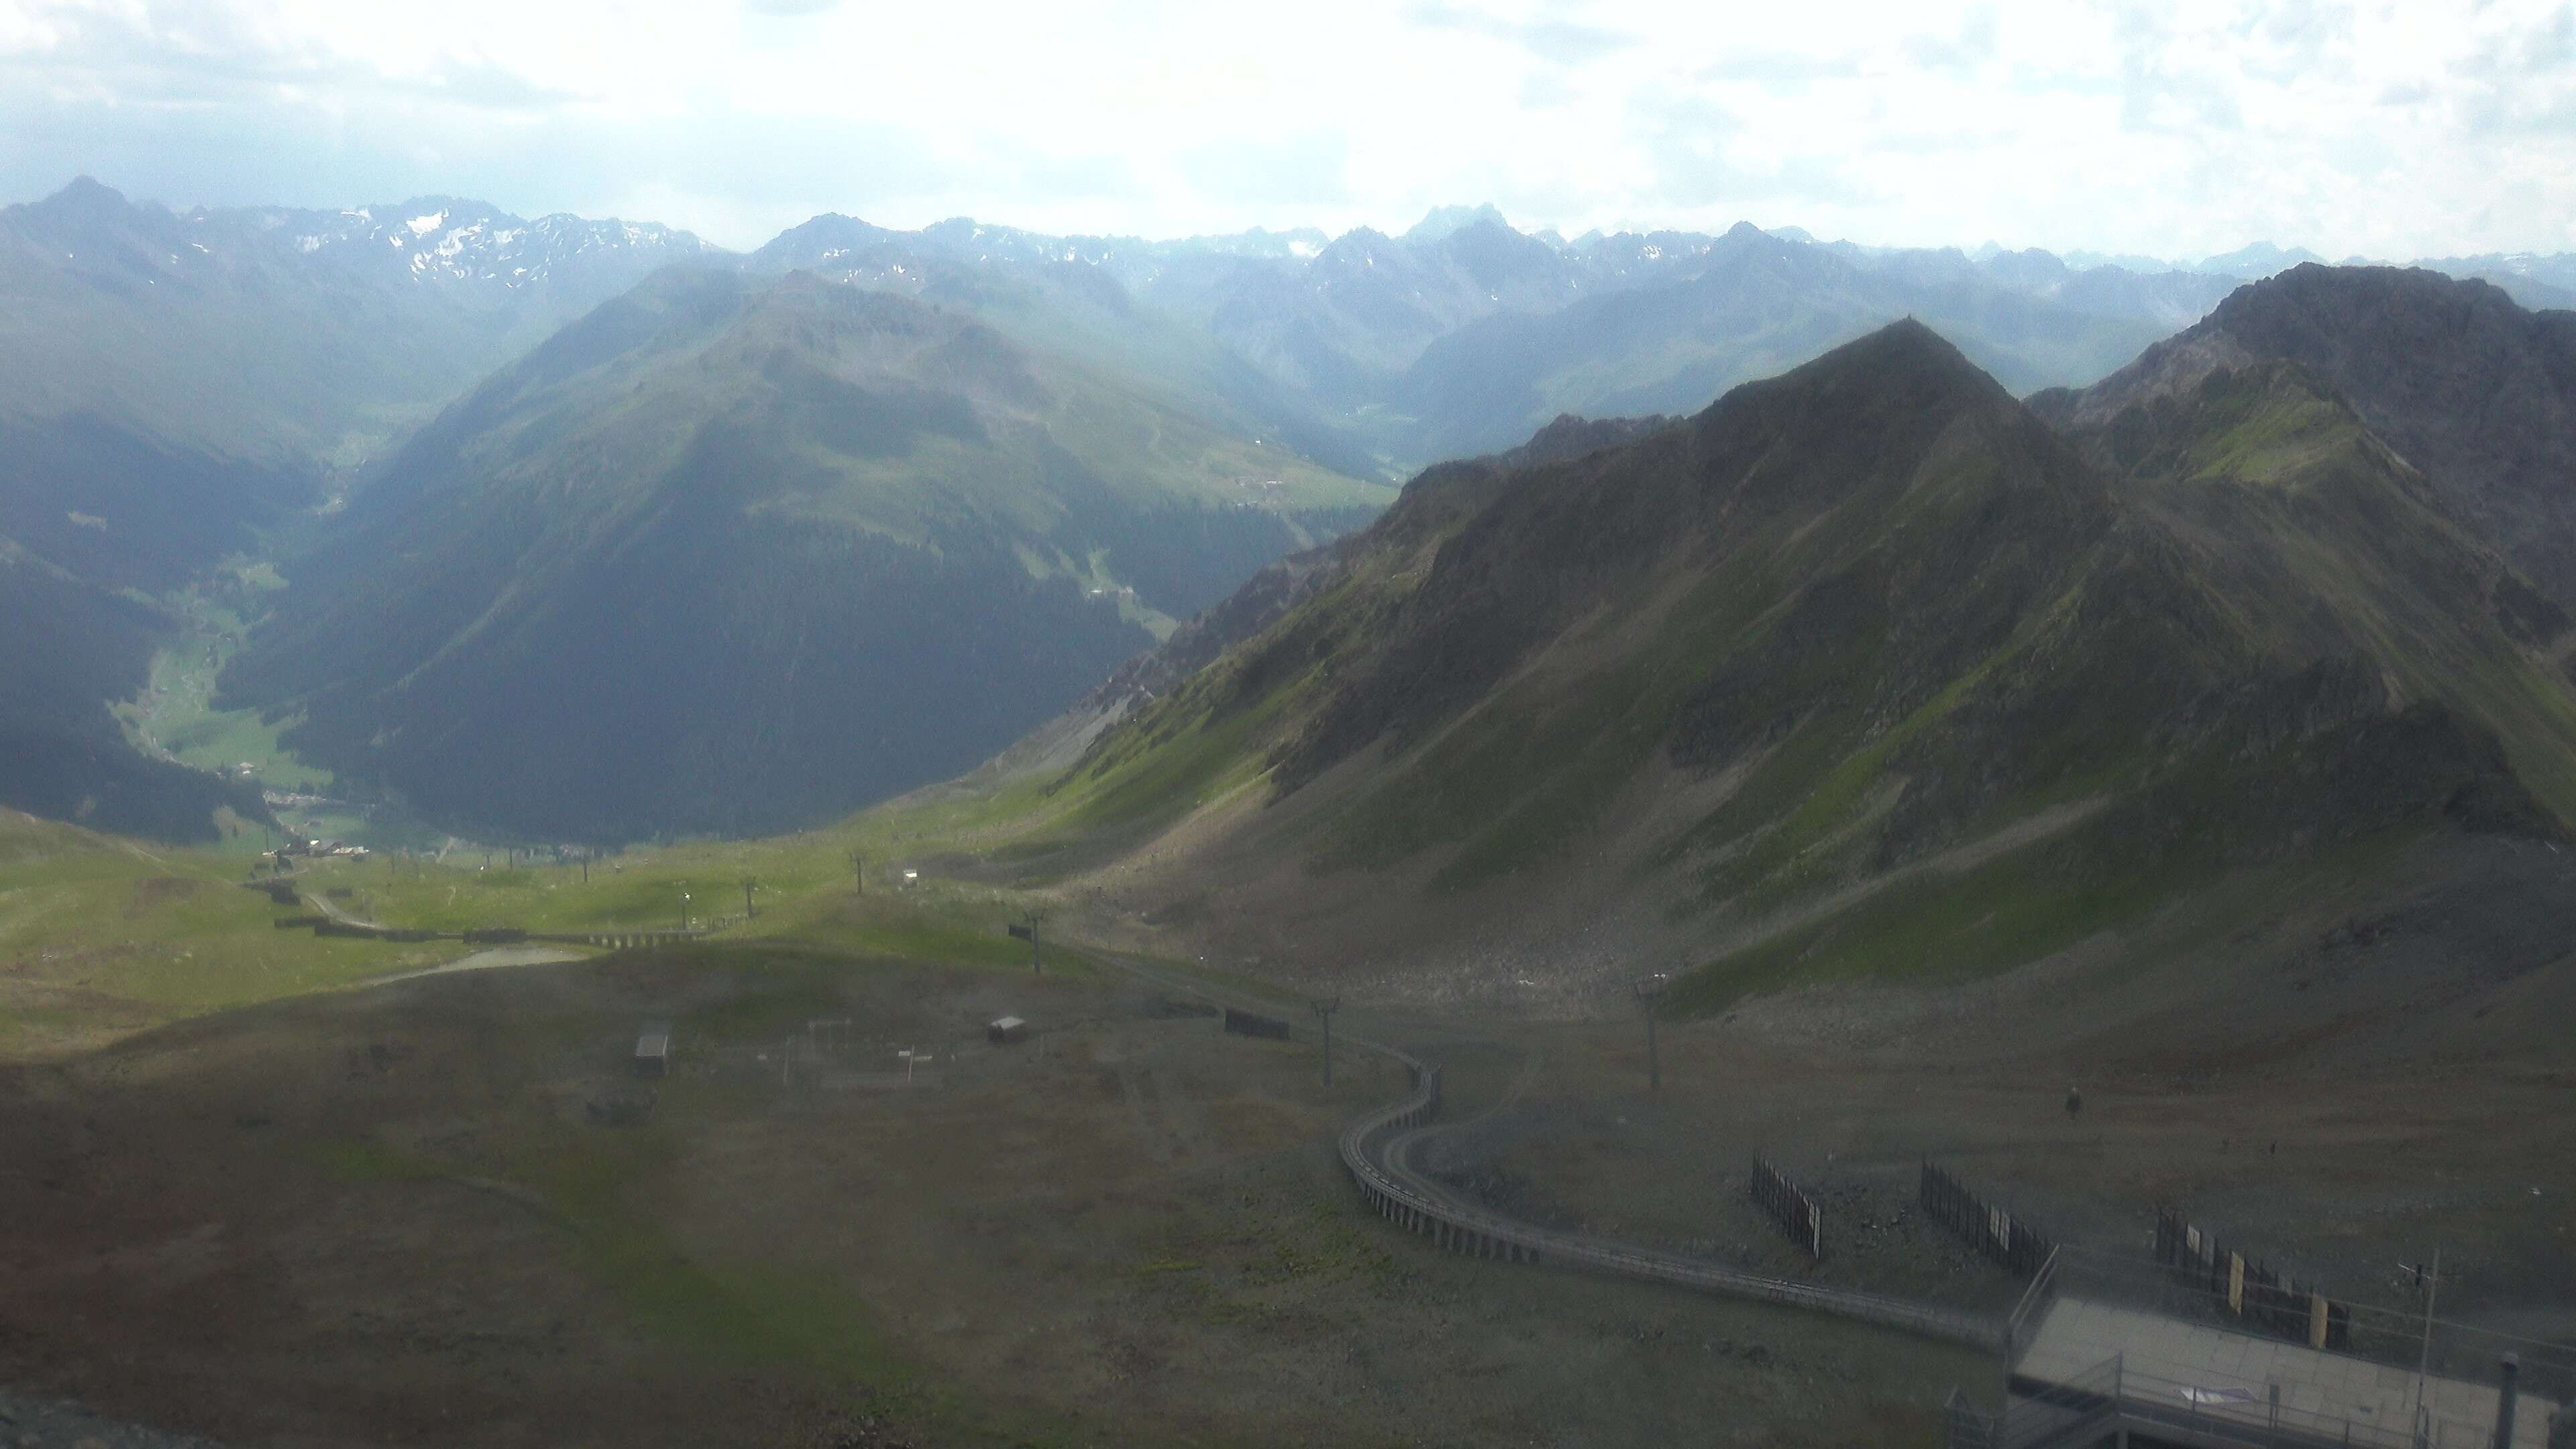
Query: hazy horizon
{"points": [[2184, 261], [2174, 132]]}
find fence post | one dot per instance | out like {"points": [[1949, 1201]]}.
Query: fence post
{"points": [[2512, 1370]]}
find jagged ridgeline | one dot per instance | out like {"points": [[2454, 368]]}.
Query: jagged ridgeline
{"points": [[2463, 383], [1865, 669], [735, 554]]}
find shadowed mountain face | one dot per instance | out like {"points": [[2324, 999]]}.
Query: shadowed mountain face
{"points": [[96, 519], [69, 647], [173, 388], [2468, 387], [731, 555], [1865, 669]]}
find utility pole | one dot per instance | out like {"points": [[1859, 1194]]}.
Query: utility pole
{"points": [[858, 874], [1324, 1009], [1646, 989], [2424, 1365], [748, 885], [684, 910]]}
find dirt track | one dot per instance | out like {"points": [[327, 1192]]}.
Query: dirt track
{"points": [[498, 956]]}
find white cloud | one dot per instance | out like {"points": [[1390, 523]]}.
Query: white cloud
{"points": [[2174, 126]]}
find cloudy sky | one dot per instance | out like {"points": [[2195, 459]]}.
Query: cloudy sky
{"points": [[2174, 127]]}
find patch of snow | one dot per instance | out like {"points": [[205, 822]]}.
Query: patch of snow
{"points": [[308, 244], [1303, 249], [424, 225], [201, 246]]}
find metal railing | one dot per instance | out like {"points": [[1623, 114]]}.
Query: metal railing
{"points": [[2026, 1313], [1377, 1149], [2063, 1413], [2153, 1399]]}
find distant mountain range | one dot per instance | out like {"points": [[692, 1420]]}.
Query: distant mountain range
{"points": [[1464, 334], [275, 334], [386, 400]]}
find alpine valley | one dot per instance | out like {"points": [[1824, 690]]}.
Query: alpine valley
{"points": [[560, 530], [958, 836]]}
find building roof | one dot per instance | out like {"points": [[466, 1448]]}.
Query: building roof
{"points": [[2234, 1376]]}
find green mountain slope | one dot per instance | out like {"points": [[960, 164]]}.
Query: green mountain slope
{"points": [[731, 555], [1865, 670], [1031, 291], [2464, 384]]}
